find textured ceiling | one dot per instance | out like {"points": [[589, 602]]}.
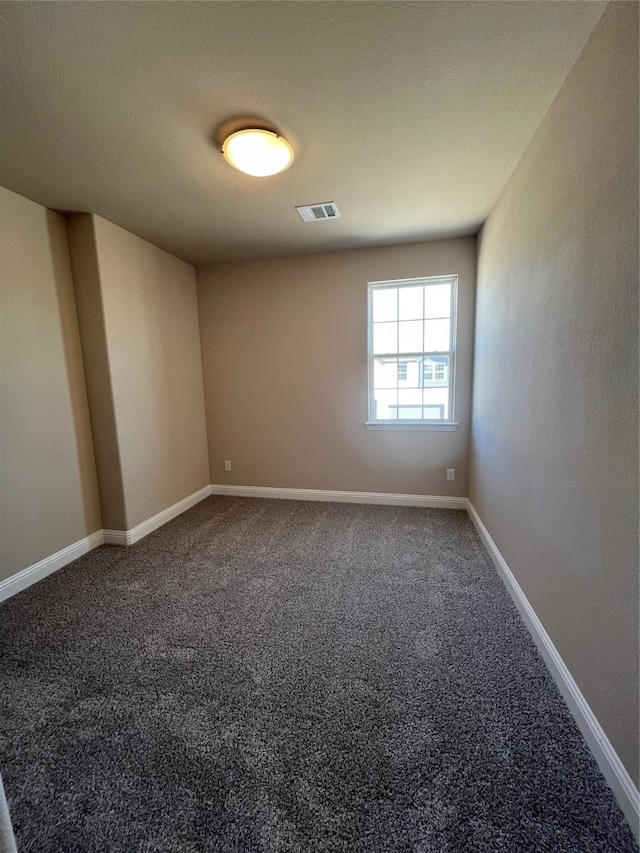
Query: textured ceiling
{"points": [[411, 116]]}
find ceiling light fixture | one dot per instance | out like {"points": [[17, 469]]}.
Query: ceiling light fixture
{"points": [[257, 152]]}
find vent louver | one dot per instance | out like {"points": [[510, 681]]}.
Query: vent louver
{"points": [[317, 212]]}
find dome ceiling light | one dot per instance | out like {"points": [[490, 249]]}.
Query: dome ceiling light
{"points": [[257, 152]]}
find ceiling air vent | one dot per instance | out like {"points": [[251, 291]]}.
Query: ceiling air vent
{"points": [[316, 212]]}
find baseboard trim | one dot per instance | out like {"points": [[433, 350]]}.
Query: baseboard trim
{"points": [[608, 760], [32, 574], [130, 537], [437, 501]]}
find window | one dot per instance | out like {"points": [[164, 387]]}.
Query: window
{"points": [[412, 327], [434, 371]]}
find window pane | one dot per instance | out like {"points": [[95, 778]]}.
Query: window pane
{"points": [[435, 395], [385, 304], [412, 373], [436, 335], [385, 337], [435, 371], [434, 413], [437, 300], [410, 336], [385, 405], [385, 373], [410, 405], [436, 403], [410, 307]]}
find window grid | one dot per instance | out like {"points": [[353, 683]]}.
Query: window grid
{"points": [[440, 375]]}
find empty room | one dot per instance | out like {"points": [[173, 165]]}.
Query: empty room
{"points": [[319, 426]]}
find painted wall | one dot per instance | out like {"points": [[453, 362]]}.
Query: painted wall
{"points": [[554, 471], [284, 346], [139, 322], [89, 302], [45, 437]]}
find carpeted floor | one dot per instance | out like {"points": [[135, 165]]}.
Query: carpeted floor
{"points": [[282, 676]]}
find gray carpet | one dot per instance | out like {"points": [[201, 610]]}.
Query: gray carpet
{"points": [[284, 677]]}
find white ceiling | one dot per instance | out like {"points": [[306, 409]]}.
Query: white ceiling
{"points": [[411, 116]]}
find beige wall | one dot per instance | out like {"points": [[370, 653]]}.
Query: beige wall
{"points": [[88, 292], [139, 321], [555, 427], [284, 345], [45, 437]]}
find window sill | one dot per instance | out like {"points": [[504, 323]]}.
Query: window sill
{"points": [[402, 425]]}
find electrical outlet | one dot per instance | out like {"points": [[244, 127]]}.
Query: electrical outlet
{"points": [[451, 473], [227, 464]]}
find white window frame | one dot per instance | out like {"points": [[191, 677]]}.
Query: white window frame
{"points": [[450, 423]]}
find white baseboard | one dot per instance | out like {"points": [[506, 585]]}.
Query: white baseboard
{"points": [[129, 537], [438, 501], [32, 574], [612, 768], [21, 580]]}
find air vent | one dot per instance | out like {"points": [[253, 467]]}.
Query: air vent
{"points": [[316, 212]]}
